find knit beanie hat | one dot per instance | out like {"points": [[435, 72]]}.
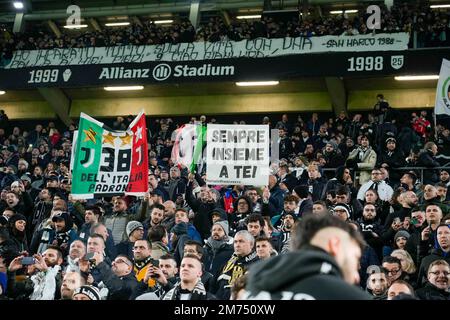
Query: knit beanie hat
{"points": [[16, 217], [302, 191], [133, 225], [343, 206], [90, 291], [402, 233], [224, 225]]}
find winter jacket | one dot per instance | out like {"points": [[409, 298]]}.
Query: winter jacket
{"points": [[276, 201], [427, 159], [176, 187], [308, 274], [431, 292], [202, 219], [117, 222], [365, 161], [233, 269], [120, 288], [395, 159], [215, 259], [8, 250], [437, 254]]}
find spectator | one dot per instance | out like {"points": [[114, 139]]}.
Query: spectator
{"points": [[119, 278], [362, 159], [218, 248], [190, 281], [441, 251], [377, 283], [438, 275], [400, 287], [427, 158], [312, 237], [159, 239], [135, 232], [238, 264]]}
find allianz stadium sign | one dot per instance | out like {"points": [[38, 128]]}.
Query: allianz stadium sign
{"points": [[163, 71], [289, 67]]}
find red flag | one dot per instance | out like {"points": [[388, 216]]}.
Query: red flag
{"points": [[138, 184]]}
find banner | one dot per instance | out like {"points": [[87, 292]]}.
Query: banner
{"points": [[189, 141], [442, 105], [256, 48], [110, 163], [237, 154]]}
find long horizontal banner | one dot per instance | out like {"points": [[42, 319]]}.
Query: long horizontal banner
{"points": [[280, 68], [257, 48]]}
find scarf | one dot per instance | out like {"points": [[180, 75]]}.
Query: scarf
{"points": [[216, 244], [141, 264], [62, 237], [44, 284], [198, 293]]}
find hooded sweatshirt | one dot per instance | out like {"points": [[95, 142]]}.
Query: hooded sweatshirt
{"points": [[308, 274]]}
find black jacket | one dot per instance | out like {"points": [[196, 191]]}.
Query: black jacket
{"points": [[120, 288], [427, 159], [202, 219], [8, 250], [437, 254], [125, 248], [233, 269], [215, 260], [431, 292], [309, 274]]}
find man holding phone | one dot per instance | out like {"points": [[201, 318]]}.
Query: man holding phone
{"points": [[142, 258], [119, 278]]}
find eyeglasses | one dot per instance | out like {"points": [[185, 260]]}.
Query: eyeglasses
{"points": [[395, 271], [436, 273], [122, 261]]}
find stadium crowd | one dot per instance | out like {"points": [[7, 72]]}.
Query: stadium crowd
{"points": [[432, 28], [337, 220]]}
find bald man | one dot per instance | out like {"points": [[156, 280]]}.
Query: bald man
{"points": [[326, 267], [169, 214]]}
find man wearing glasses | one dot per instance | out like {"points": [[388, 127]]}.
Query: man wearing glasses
{"points": [[119, 278], [377, 183], [437, 287], [441, 251], [393, 267]]}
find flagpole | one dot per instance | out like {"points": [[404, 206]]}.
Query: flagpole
{"points": [[435, 124]]}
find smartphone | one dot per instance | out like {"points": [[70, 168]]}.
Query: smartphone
{"points": [[26, 261], [155, 263], [89, 256]]}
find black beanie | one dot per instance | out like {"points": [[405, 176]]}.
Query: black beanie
{"points": [[302, 191]]}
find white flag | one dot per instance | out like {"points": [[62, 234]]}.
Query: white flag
{"points": [[442, 105]]}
